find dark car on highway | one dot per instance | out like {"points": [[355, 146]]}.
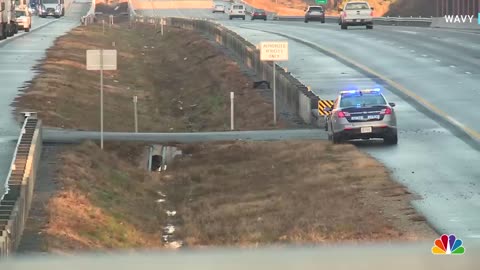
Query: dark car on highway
{"points": [[315, 13], [259, 14]]}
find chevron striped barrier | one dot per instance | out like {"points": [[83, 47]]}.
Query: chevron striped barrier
{"points": [[322, 104]]}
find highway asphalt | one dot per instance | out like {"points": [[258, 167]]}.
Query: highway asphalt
{"points": [[18, 55], [441, 66]]}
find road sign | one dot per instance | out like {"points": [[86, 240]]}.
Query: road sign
{"points": [[274, 51], [109, 59], [321, 2], [101, 60]]}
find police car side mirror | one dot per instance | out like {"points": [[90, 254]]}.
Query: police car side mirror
{"points": [[391, 104], [327, 109]]}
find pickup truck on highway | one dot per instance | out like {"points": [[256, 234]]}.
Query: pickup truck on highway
{"points": [[356, 13], [55, 8]]}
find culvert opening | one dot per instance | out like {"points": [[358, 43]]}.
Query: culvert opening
{"points": [[156, 162], [160, 156]]}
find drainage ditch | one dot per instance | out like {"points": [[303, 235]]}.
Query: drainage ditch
{"points": [[159, 157]]}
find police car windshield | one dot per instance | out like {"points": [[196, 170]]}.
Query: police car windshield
{"points": [[364, 100]]}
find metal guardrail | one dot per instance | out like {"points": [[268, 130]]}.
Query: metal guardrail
{"points": [[12, 165], [89, 18], [406, 21], [15, 203]]}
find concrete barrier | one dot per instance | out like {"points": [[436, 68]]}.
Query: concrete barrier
{"points": [[89, 18], [16, 202]]}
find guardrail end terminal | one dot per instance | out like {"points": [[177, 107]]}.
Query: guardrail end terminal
{"points": [[29, 114]]}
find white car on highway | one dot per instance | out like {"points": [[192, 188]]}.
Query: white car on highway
{"points": [[218, 8], [24, 20], [356, 13]]}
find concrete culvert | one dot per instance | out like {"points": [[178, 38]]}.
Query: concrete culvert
{"points": [[156, 162]]}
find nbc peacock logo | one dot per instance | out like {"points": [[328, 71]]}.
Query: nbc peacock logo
{"points": [[448, 245]]}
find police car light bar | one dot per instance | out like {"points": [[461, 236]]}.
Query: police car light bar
{"points": [[360, 91]]}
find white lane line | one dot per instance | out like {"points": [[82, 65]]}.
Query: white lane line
{"points": [[468, 72], [406, 32], [424, 55], [437, 60], [452, 66], [412, 51], [401, 47]]}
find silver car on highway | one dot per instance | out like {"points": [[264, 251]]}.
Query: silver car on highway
{"points": [[362, 114]]}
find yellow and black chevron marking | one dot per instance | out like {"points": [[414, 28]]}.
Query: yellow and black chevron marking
{"points": [[322, 104]]}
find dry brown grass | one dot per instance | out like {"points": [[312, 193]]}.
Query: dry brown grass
{"points": [[182, 81], [248, 193], [228, 194], [105, 201]]}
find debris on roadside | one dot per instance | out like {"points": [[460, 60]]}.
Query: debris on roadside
{"points": [[169, 229], [174, 244]]}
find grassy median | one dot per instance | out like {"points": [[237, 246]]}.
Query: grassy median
{"points": [[225, 193]]}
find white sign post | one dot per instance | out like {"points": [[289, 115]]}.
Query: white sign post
{"points": [[231, 111], [101, 60], [274, 51], [162, 23], [135, 99]]}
